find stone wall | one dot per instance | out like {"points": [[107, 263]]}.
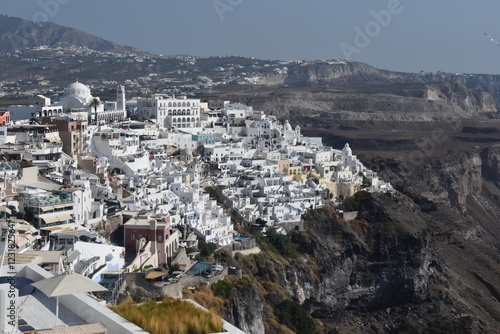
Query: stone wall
{"points": [[138, 282]]}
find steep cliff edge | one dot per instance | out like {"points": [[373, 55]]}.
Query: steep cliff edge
{"points": [[462, 188], [422, 261], [389, 102], [341, 73]]}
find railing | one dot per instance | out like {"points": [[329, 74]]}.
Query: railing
{"points": [[82, 266], [48, 201], [117, 289]]}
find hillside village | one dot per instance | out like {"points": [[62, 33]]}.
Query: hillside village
{"points": [[108, 188]]}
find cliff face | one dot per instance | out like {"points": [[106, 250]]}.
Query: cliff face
{"points": [[247, 310], [460, 195], [400, 103], [341, 73], [331, 73], [424, 261], [461, 185]]}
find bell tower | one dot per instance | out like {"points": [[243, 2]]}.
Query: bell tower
{"points": [[120, 98]]}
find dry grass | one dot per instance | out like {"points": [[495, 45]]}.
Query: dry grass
{"points": [[204, 296], [170, 317], [273, 326]]}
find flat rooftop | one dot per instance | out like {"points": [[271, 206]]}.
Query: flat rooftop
{"points": [[47, 256], [79, 309], [39, 311], [22, 258]]}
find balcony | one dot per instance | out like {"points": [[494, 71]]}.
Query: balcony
{"points": [[48, 201]]}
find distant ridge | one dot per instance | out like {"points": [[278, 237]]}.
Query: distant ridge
{"points": [[34, 65], [19, 34]]}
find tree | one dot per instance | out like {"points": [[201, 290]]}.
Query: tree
{"points": [[295, 317], [260, 221], [206, 249], [95, 103], [281, 243], [356, 202], [221, 256], [223, 289]]}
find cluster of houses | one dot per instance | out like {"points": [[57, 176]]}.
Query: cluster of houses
{"points": [[71, 166], [80, 176]]}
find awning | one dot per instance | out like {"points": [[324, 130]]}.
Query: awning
{"points": [[65, 205], [47, 208], [64, 216], [22, 243], [50, 219], [53, 139], [30, 237], [53, 228]]}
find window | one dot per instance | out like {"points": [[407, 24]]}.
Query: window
{"points": [[132, 237]]}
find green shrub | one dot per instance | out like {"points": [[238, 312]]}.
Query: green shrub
{"points": [[356, 202], [260, 221], [223, 289], [281, 243], [222, 256], [206, 249], [410, 326], [295, 317], [97, 270]]}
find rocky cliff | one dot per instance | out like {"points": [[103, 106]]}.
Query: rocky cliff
{"points": [[340, 73], [389, 102], [422, 261]]}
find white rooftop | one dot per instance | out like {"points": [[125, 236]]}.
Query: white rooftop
{"points": [[38, 310]]}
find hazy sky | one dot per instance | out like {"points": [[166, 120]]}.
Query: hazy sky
{"points": [[401, 35]]}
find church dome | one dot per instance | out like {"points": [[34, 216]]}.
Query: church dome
{"points": [[347, 150], [78, 90], [288, 127]]}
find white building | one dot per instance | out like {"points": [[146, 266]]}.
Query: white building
{"points": [[122, 149], [170, 112], [33, 111], [77, 97]]}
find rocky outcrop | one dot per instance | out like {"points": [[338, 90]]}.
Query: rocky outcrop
{"points": [[396, 103], [461, 185], [460, 195], [247, 310], [379, 268], [490, 158], [339, 73], [426, 261]]}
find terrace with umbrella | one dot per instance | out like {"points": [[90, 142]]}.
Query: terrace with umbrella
{"points": [[66, 284]]}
